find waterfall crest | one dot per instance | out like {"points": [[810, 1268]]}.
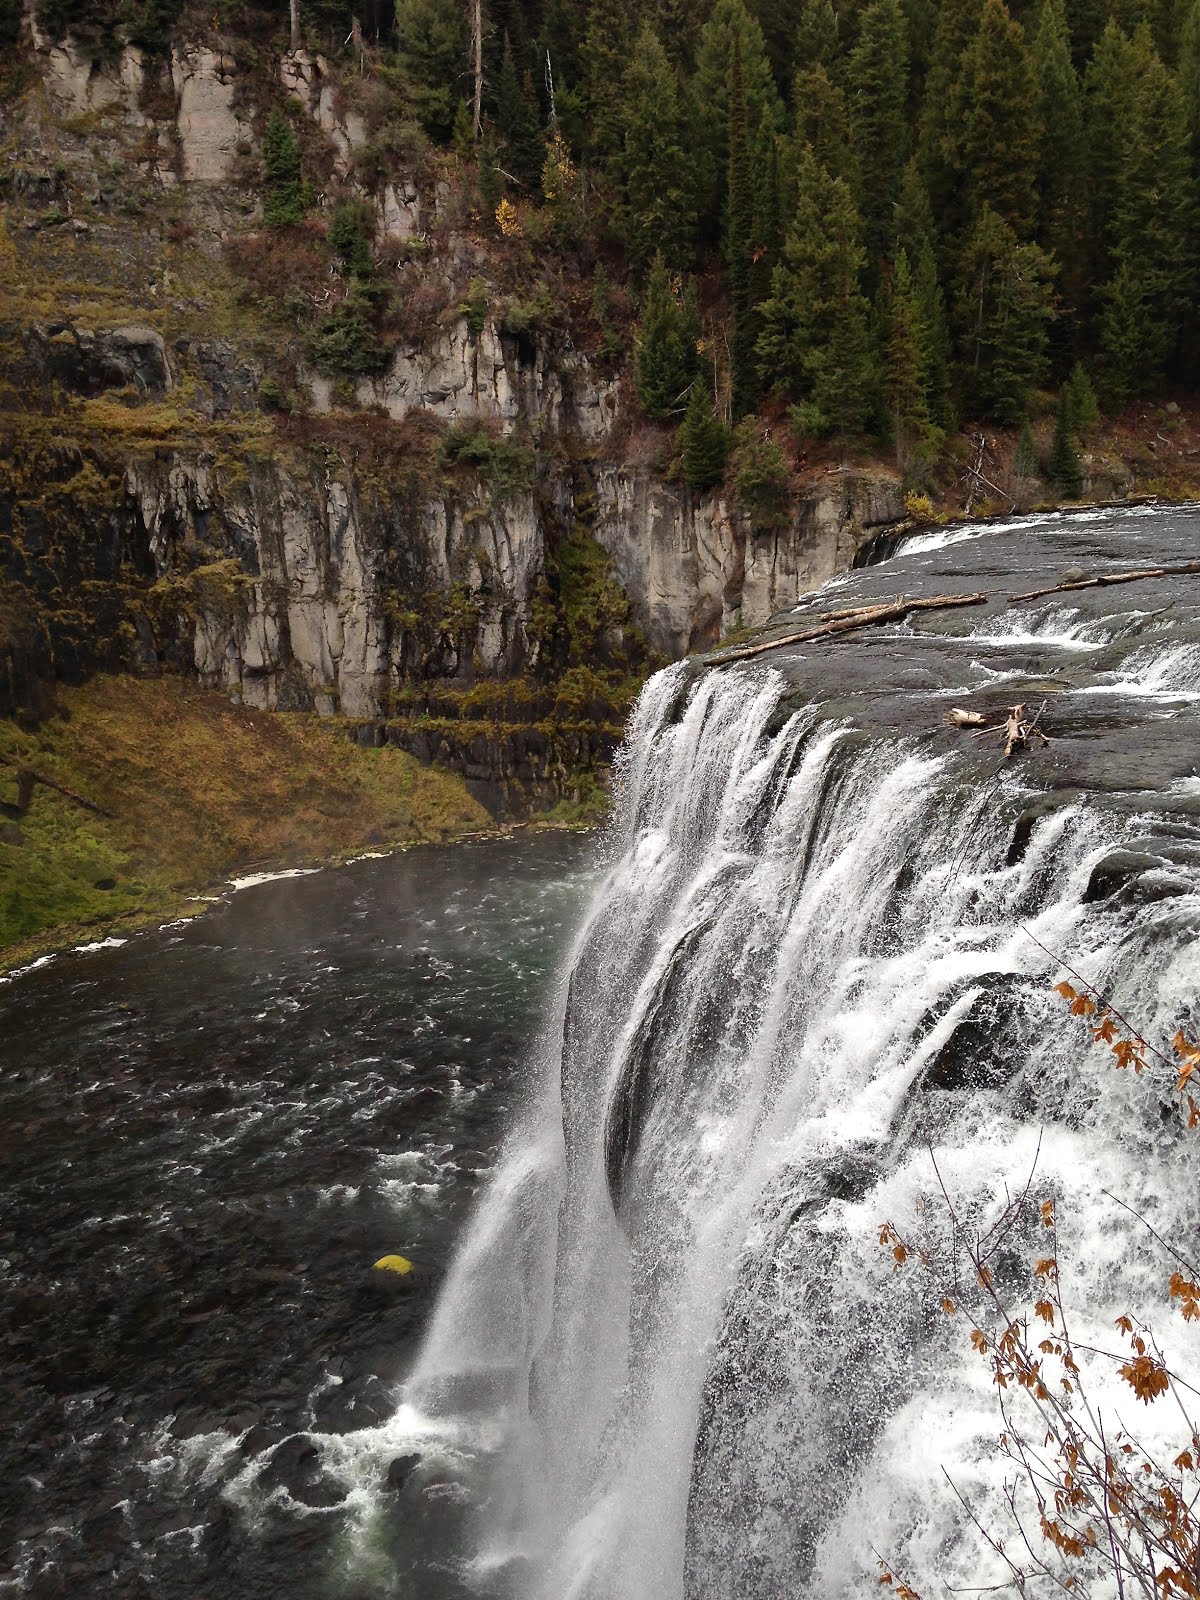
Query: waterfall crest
{"points": [[820, 960]]}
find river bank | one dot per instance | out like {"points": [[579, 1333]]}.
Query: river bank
{"points": [[173, 792]]}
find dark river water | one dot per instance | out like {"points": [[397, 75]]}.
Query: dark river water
{"points": [[208, 1134]]}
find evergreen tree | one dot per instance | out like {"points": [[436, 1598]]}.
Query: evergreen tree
{"points": [[432, 45], [1060, 117], [1082, 408], [1065, 471], [1110, 89], [660, 208], [914, 235], [1086, 21], [703, 442], [1005, 305], [287, 197], [878, 111], [903, 376], [350, 230], [996, 112], [729, 20], [1131, 355], [822, 122], [1025, 462], [814, 35], [604, 56], [938, 132], [1189, 72], [518, 121], [739, 246], [1153, 220], [814, 344], [491, 179], [664, 363], [935, 335]]}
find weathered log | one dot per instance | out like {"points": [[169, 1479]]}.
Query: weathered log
{"points": [[1107, 579], [27, 776], [966, 719], [845, 622]]}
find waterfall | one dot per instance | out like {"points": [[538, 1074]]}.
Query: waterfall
{"points": [[672, 1359]]}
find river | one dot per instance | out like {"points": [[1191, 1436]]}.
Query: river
{"points": [[664, 1356], [210, 1133]]}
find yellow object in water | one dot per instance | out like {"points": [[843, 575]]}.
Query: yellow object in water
{"points": [[400, 1264]]}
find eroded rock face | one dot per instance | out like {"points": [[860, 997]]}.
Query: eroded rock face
{"points": [[694, 568], [77, 83], [314, 83], [88, 363], [307, 610], [494, 376], [209, 127]]}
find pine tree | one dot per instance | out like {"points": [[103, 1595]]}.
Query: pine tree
{"points": [[1082, 408], [822, 122], [1065, 471], [287, 194], [914, 235], [814, 344], [878, 112], [491, 178], [938, 131], [1005, 304], [1131, 354], [1189, 72], [664, 363], [903, 376], [431, 54], [703, 442], [1154, 227], [996, 112], [660, 207], [935, 335], [814, 35], [604, 56], [728, 21], [1025, 462], [739, 245], [1086, 21], [518, 121], [1060, 116], [1110, 90]]}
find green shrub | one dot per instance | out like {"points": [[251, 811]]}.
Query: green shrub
{"points": [[505, 463]]}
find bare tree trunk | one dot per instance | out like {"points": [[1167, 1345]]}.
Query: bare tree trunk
{"points": [[294, 16], [477, 67]]}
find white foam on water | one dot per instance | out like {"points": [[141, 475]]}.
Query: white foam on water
{"points": [[708, 1381], [253, 879]]}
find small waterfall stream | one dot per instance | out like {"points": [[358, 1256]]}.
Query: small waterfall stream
{"points": [[672, 1359]]}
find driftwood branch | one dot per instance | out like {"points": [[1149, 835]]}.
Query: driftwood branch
{"points": [[1017, 730], [1106, 580], [846, 621], [27, 777]]}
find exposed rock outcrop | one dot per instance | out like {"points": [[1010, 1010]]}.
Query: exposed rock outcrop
{"points": [[694, 567], [496, 376], [209, 124]]}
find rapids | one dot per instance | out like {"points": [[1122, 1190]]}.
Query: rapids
{"points": [[672, 1359]]}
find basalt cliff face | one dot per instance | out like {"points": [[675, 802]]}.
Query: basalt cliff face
{"points": [[473, 519]]}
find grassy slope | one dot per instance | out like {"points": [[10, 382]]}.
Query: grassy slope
{"points": [[199, 789]]}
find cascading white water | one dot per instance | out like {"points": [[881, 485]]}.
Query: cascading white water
{"points": [[674, 1356]]}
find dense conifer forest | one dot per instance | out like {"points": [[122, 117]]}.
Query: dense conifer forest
{"points": [[881, 220]]}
